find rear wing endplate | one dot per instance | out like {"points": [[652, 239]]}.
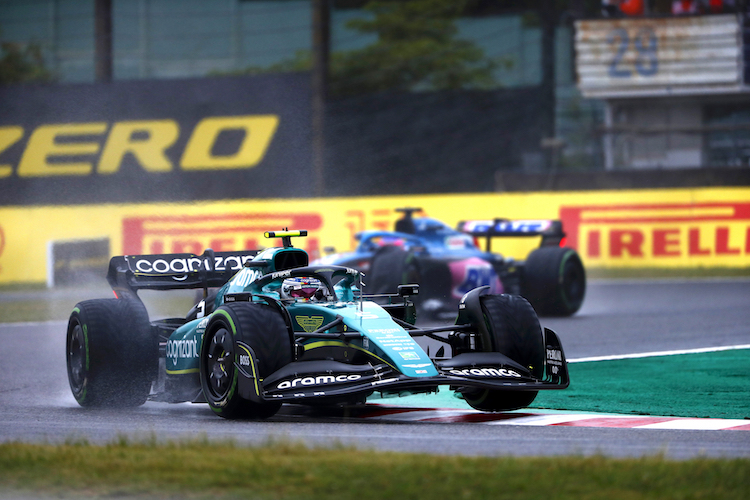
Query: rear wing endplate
{"points": [[551, 231], [129, 273]]}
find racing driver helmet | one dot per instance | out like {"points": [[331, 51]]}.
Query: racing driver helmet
{"points": [[302, 288]]}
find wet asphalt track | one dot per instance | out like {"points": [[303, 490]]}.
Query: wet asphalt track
{"points": [[618, 317]]}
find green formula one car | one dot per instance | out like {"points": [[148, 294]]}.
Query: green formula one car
{"points": [[272, 329]]}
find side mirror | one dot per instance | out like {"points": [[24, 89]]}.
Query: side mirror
{"points": [[408, 290]]}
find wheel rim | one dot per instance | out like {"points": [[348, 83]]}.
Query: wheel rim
{"points": [[77, 358], [220, 363]]}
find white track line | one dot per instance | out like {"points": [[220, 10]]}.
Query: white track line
{"points": [[418, 414], [659, 353], [542, 419], [707, 424], [579, 420]]}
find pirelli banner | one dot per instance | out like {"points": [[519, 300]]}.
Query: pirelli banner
{"points": [[644, 228], [161, 140]]}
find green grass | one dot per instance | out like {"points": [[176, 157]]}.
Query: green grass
{"points": [[290, 471]]}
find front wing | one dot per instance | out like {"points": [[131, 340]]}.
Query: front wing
{"points": [[304, 381]]}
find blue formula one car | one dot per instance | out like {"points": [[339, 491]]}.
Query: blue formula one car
{"points": [[447, 263], [272, 329]]}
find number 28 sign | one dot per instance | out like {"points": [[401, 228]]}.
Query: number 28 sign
{"points": [[659, 56], [634, 53]]}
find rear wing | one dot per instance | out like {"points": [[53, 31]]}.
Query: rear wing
{"points": [[129, 273], [551, 231]]}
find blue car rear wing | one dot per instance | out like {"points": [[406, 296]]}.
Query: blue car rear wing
{"points": [[551, 231]]}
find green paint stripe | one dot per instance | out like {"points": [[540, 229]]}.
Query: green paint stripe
{"points": [[234, 334], [183, 372], [701, 384], [229, 318], [86, 341], [561, 275]]}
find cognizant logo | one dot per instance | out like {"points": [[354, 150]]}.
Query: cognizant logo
{"points": [[185, 349], [182, 265]]}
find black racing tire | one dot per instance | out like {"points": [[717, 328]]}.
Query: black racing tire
{"points": [[515, 331], [262, 328], [111, 353], [390, 266], [554, 281]]}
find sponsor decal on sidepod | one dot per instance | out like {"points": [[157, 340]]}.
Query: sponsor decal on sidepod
{"points": [[186, 349]]}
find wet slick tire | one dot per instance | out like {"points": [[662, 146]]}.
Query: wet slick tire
{"points": [[263, 329], [554, 281], [111, 353], [515, 331], [391, 266]]}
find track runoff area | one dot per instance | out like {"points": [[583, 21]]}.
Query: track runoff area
{"points": [[695, 389]]}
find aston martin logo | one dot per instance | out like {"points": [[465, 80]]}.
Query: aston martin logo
{"points": [[310, 323]]}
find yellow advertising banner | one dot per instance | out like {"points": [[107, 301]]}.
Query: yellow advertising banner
{"points": [[707, 227]]}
